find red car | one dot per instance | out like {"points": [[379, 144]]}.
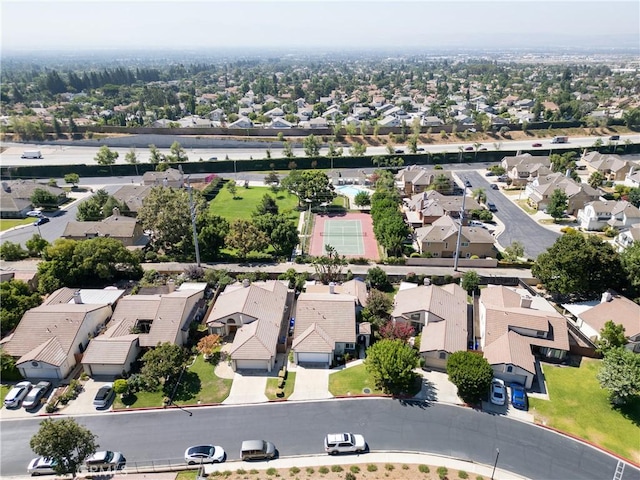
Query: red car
{"points": [[536, 145]]}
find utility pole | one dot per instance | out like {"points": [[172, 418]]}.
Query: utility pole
{"points": [[464, 196], [192, 212], [495, 464]]}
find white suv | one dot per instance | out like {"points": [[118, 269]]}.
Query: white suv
{"points": [[335, 443]]}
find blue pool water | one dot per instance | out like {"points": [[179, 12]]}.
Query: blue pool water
{"points": [[349, 190]]}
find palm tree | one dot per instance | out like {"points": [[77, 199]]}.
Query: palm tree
{"points": [[441, 183], [479, 195]]}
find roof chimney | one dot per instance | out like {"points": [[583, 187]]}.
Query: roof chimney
{"points": [[172, 285], [246, 283], [76, 297], [525, 301], [606, 297], [6, 187], [332, 288], [116, 212]]}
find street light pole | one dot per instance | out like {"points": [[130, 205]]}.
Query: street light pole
{"points": [[455, 260], [192, 214], [495, 464]]}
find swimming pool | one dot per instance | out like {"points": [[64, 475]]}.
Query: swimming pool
{"points": [[350, 190]]}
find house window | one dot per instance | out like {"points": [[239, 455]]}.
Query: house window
{"points": [[464, 244], [443, 355], [349, 346], [415, 316], [509, 369]]}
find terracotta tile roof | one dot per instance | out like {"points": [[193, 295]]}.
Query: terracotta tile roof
{"points": [[511, 348], [109, 351], [256, 340], [113, 226], [51, 352], [314, 339], [333, 317], [619, 309], [355, 288], [132, 195]]}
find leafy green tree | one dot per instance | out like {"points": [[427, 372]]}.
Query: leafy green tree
{"points": [[633, 196], [378, 308], [311, 146], [391, 364], [10, 251], [17, 298], [162, 364], [630, 260], [334, 151], [557, 204], [441, 183], [155, 156], [212, 230], [177, 153], [233, 188], [329, 266], [272, 179], [596, 179], [287, 150], [281, 233], [358, 149], [579, 266], [362, 199], [611, 336], [312, 185], [165, 212], [563, 162], [120, 386], [106, 156], [631, 117], [620, 375], [44, 198], [36, 245], [514, 251], [8, 370], [377, 278], [470, 281], [99, 206], [267, 205], [480, 195], [66, 442], [471, 374], [72, 178], [245, 237], [131, 156]]}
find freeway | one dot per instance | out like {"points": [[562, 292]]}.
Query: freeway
{"points": [[298, 429], [57, 154]]}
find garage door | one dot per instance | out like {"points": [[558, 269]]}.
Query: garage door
{"points": [[251, 364], [513, 378], [105, 370], [314, 358], [40, 370]]}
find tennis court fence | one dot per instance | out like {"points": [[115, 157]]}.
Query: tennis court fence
{"points": [[343, 234]]}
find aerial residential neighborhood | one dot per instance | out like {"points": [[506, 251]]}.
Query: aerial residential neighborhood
{"points": [[355, 257]]}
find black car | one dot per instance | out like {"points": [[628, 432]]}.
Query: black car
{"points": [[494, 186], [41, 221], [492, 207], [399, 150], [104, 396]]}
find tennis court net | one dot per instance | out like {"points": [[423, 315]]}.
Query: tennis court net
{"points": [[343, 234]]}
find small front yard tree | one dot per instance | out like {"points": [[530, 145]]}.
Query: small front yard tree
{"points": [[620, 375], [397, 330], [378, 308], [207, 345], [163, 362], [329, 267], [611, 336], [377, 278], [72, 178], [66, 442], [470, 281], [391, 363], [557, 204], [471, 374]]}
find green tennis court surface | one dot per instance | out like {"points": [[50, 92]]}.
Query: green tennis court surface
{"points": [[345, 236]]}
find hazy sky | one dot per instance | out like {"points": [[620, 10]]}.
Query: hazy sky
{"points": [[145, 24]]}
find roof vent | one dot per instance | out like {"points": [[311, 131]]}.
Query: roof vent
{"points": [[606, 297], [76, 297], [525, 301], [246, 283]]}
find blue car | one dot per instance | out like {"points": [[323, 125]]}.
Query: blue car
{"points": [[519, 398]]}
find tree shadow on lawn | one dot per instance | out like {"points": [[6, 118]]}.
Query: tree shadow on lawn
{"points": [[189, 387], [631, 411]]}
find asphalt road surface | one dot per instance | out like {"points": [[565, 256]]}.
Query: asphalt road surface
{"points": [[299, 428]]}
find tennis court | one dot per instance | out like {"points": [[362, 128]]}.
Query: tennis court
{"points": [[351, 235]]}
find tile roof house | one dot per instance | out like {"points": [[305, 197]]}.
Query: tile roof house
{"points": [[415, 179], [242, 122], [578, 194], [440, 240], [124, 229], [143, 321], [515, 329], [50, 339], [15, 197], [591, 316], [439, 315], [325, 327], [626, 238], [171, 177], [632, 179], [132, 196], [430, 205], [356, 288], [255, 314], [601, 214], [611, 166]]}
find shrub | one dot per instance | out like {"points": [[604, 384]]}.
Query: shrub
{"points": [[281, 382], [253, 471], [51, 406], [372, 468], [442, 472], [354, 469], [241, 471], [310, 470], [283, 373], [336, 468], [349, 476], [323, 470], [405, 466], [294, 470], [280, 392], [389, 467], [463, 475], [423, 468], [271, 471]]}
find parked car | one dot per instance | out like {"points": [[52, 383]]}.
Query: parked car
{"points": [[399, 150], [489, 174], [37, 394], [494, 186], [498, 392], [105, 460], [614, 138], [41, 221], [34, 213], [467, 183], [482, 149], [469, 148], [335, 443], [104, 395], [16, 395], [41, 466], [204, 454], [257, 450], [211, 159], [492, 207], [476, 223], [536, 145], [503, 178], [420, 149], [519, 397]]}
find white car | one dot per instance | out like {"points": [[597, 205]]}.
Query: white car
{"points": [[498, 392], [34, 213], [41, 466], [105, 460], [204, 454], [335, 443], [16, 395]]}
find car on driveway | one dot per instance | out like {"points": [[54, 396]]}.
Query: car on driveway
{"points": [[41, 466], [34, 213], [41, 221], [204, 454], [498, 392], [519, 397], [536, 145], [503, 178], [335, 443], [37, 394], [104, 395], [489, 174], [16, 395], [105, 460], [494, 186]]}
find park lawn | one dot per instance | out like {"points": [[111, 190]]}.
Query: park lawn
{"points": [[352, 381], [272, 386], [246, 201], [580, 407], [7, 223]]}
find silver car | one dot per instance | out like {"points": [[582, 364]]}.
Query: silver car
{"points": [[105, 460], [335, 443], [37, 394], [16, 395], [41, 466]]}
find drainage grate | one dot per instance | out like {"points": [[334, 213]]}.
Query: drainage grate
{"points": [[366, 391]]}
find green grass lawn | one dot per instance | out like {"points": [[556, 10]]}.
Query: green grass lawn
{"points": [[4, 389], [7, 223], [351, 381], [199, 385], [248, 199], [525, 206], [272, 387], [579, 406]]}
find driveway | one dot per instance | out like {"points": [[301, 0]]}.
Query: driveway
{"points": [[436, 387], [247, 388], [311, 384]]}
